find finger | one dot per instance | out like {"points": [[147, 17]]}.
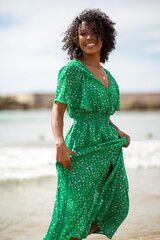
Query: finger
{"points": [[70, 166], [60, 162], [126, 145], [72, 152], [65, 165], [121, 135]]}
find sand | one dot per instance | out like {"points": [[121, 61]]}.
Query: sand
{"points": [[26, 208]]}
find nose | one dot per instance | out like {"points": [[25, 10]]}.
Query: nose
{"points": [[90, 35]]}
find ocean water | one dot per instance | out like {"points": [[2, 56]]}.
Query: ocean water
{"points": [[27, 148]]}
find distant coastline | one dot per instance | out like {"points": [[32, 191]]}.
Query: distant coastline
{"points": [[140, 101], [129, 101]]}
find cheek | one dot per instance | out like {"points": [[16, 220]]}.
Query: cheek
{"points": [[81, 40], [100, 44]]}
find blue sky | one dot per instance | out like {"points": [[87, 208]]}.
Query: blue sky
{"points": [[30, 43]]}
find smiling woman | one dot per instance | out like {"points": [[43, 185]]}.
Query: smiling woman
{"points": [[92, 189], [101, 25]]}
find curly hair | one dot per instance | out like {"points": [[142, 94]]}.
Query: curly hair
{"points": [[106, 31]]}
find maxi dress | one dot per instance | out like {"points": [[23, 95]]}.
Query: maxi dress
{"points": [[83, 196]]}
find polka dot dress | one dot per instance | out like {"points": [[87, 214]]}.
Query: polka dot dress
{"points": [[83, 196]]}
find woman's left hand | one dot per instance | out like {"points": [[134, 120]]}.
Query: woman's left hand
{"points": [[122, 134]]}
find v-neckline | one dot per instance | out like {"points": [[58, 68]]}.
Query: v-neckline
{"points": [[95, 76]]}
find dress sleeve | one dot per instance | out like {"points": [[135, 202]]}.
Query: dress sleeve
{"points": [[68, 88]]}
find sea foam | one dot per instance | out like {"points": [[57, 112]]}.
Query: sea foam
{"points": [[18, 163]]}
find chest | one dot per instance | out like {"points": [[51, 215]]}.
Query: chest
{"points": [[101, 75]]}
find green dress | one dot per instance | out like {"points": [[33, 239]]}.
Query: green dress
{"points": [[83, 196]]}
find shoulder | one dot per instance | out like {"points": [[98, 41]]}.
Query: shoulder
{"points": [[110, 76], [112, 79], [71, 74], [109, 73], [71, 67]]}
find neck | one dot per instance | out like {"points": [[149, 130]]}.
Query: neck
{"points": [[92, 60]]}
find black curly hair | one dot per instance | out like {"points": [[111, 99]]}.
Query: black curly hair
{"points": [[106, 31]]}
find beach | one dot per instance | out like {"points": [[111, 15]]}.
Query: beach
{"points": [[28, 175], [26, 208]]}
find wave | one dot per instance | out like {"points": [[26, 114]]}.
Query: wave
{"points": [[142, 154], [24, 163]]}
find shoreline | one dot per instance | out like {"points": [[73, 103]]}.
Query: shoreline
{"points": [[26, 101]]}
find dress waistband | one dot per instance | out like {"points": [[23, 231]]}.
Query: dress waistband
{"points": [[91, 116]]}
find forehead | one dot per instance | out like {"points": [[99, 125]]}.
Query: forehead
{"points": [[87, 25]]}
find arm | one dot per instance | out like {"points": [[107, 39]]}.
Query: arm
{"points": [[120, 133], [62, 151]]}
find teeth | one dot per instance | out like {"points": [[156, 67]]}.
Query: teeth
{"points": [[91, 44]]}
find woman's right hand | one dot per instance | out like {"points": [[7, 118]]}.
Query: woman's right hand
{"points": [[63, 155]]}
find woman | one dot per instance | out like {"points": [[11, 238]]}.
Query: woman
{"points": [[92, 186]]}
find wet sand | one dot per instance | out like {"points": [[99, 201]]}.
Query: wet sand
{"points": [[26, 208]]}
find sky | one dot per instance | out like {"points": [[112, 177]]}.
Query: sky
{"points": [[31, 49]]}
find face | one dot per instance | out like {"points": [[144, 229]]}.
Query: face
{"points": [[89, 42]]}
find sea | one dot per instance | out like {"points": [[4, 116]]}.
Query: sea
{"points": [[27, 148]]}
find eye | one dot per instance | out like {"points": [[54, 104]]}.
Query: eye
{"points": [[83, 34]]}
